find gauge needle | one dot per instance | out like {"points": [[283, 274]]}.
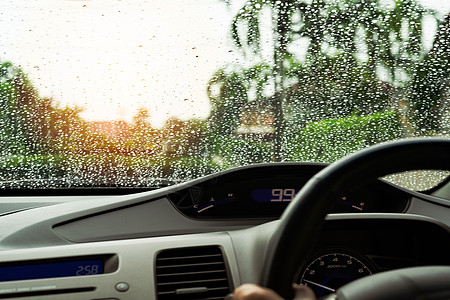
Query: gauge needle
{"points": [[319, 285], [356, 206], [210, 205]]}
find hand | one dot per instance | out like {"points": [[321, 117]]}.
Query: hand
{"points": [[255, 292]]}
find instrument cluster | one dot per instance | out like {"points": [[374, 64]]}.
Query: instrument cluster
{"points": [[264, 191]]}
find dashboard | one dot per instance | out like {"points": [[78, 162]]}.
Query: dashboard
{"points": [[264, 191], [202, 238]]}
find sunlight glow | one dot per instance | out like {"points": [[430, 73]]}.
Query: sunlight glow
{"points": [[113, 57]]}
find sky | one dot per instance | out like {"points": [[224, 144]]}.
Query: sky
{"points": [[112, 57]]}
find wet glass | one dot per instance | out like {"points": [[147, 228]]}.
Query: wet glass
{"points": [[150, 93]]}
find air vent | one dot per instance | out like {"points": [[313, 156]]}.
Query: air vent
{"points": [[191, 273]]}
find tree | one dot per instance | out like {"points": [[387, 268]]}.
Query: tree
{"points": [[357, 50], [183, 138], [431, 82], [230, 93], [143, 138], [24, 115]]}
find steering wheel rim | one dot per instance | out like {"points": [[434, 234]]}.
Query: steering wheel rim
{"points": [[295, 236]]}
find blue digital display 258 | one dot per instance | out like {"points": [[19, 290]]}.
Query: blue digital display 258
{"points": [[51, 270]]}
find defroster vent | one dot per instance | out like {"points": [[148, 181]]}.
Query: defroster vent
{"points": [[192, 273]]}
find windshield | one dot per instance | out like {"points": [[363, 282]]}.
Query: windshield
{"points": [[146, 93]]}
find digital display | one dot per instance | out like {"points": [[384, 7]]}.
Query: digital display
{"points": [[274, 195], [51, 270]]}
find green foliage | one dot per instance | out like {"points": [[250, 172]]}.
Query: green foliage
{"points": [[185, 168], [229, 92], [360, 56], [12, 136], [330, 140], [344, 27], [110, 169], [12, 139], [24, 117], [427, 92], [230, 151], [352, 25], [350, 46], [30, 111], [230, 95], [183, 138], [19, 167], [322, 107], [337, 88]]}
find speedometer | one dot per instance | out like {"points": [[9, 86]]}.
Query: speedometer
{"points": [[328, 271]]}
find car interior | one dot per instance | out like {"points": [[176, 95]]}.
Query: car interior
{"points": [[202, 238], [179, 149]]}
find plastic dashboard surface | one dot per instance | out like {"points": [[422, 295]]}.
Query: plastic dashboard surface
{"points": [[112, 242], [386, 243], [233, 199]]}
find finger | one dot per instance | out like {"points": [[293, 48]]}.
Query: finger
{"points": [[254, 292], [302, 292]]}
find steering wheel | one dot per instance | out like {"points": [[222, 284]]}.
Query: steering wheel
{"points": [[294, 238]]}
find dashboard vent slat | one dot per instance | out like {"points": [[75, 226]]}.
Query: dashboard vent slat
{"points": [[201, 270]]}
